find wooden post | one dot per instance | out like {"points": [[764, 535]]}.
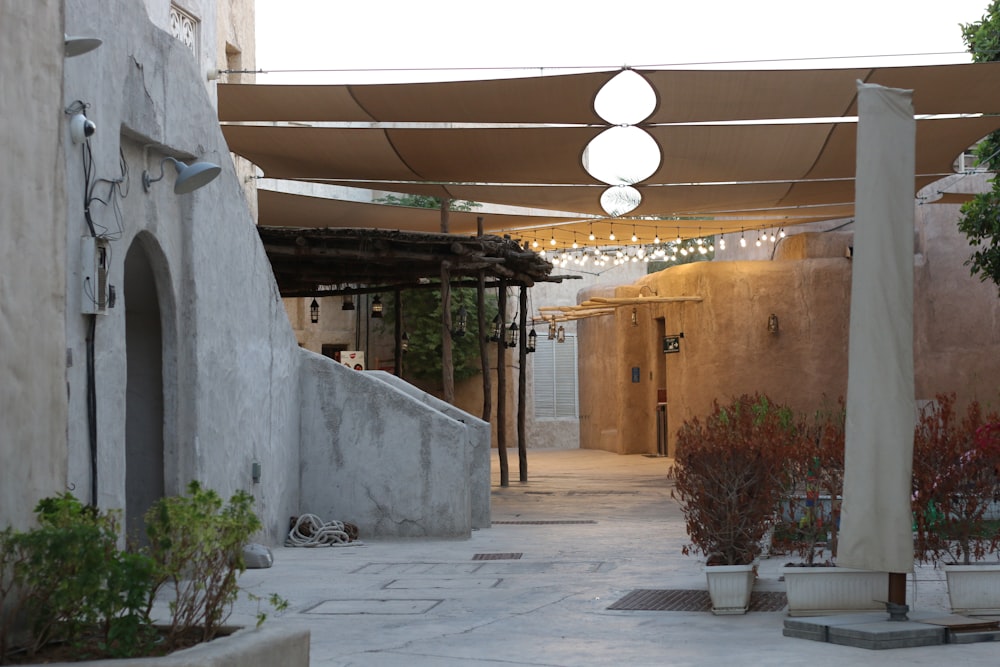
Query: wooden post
{"points": [[897, 587], [522, 383], [398, 367], [445, 209], [502, 389], [484, 350], [447, 365]]}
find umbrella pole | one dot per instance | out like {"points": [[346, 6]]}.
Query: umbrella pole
{"points": [[897, 588]]}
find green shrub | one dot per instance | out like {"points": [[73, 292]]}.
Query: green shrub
{"points": [[67, 582]]}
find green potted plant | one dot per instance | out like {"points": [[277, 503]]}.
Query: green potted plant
{"points": [[68, 591], [731, 473], [956, 460]]}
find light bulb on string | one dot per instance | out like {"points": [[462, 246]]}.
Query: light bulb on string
{"points": [[552, 241], [656, 237], [634, 236], [611, 236], [592, 237], [781, 233], [743, 240]]}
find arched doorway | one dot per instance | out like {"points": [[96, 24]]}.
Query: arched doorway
{"points": [[144, 468]]}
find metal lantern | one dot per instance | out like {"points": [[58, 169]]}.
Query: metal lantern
{"points": [[561, 334], [347, 303], [314, 311], [377, 306], [512, 335], [552, 329], [532, 337], [461, 323], [495, 330], [404, 342]]}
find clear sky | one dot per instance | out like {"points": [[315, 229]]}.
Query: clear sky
{"points": [[552, 34]]}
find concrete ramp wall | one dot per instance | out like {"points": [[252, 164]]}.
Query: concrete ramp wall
{"points": [[477, 451], [376, 456]]}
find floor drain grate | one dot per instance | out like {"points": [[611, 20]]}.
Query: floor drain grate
{"points": [[540, 523], [501, 556], [686, 600]]}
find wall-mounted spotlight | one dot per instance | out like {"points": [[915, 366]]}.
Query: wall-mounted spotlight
{"points": [[190, 177], [314, 311], [772, 324], [77, 46], [377, 307]]}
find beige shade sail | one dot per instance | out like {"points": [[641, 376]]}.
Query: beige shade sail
{"points": [[728, 163], [683, 96]]}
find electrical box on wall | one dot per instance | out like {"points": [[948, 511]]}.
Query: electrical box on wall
{"points": [[94, 260]]}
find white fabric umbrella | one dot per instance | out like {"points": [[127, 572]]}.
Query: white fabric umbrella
{"points": [[876, 522]]}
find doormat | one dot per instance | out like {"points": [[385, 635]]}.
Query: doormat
{"points": [[501, 556], [645, 599]]}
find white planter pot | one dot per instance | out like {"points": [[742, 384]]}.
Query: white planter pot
{"points": [[817, 591], [974, 590], [729, 586]]}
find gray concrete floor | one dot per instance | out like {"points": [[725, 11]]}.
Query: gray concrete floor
{"points": [[427, 602]]}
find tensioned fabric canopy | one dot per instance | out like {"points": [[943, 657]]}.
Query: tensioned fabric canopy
{"points": [[730, 158]]}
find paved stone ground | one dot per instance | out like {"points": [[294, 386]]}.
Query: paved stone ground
{"points": [[591, 527]]}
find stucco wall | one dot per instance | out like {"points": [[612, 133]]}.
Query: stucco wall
{"points": [[230, 358], [727, 349], [32, 257], [380, 458]]}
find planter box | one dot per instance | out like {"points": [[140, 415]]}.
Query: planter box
{"points": [[974, 590], [729, 586], [817, 591], [271, 645]]}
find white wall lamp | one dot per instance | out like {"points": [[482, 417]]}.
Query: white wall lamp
{"points": [[190, 177], [77, 46]]}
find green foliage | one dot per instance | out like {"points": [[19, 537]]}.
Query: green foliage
{"points": [[67, 581], [980, 217], [197, 545], [732, 472], [70, 583], [422, 323], [425, 201]]}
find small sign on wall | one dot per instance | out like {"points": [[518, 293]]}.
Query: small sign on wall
{"points": [[671, 344]]}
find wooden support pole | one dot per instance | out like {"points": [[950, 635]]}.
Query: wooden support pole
{"points": [[502, 389], [398, 366], [445, 209], [484, 351], [447, 364], [897, 587], [522, 384]]}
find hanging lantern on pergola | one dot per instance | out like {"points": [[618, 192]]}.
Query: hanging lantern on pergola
{"points": [[314, 311], [377, 306], [461, 323], [347, 303], [496, 330], [404, 342], [561, 334], [552, 329], [532, 338], [511, 339]]}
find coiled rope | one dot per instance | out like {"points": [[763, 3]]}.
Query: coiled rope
{"points": [[309, 530]]}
